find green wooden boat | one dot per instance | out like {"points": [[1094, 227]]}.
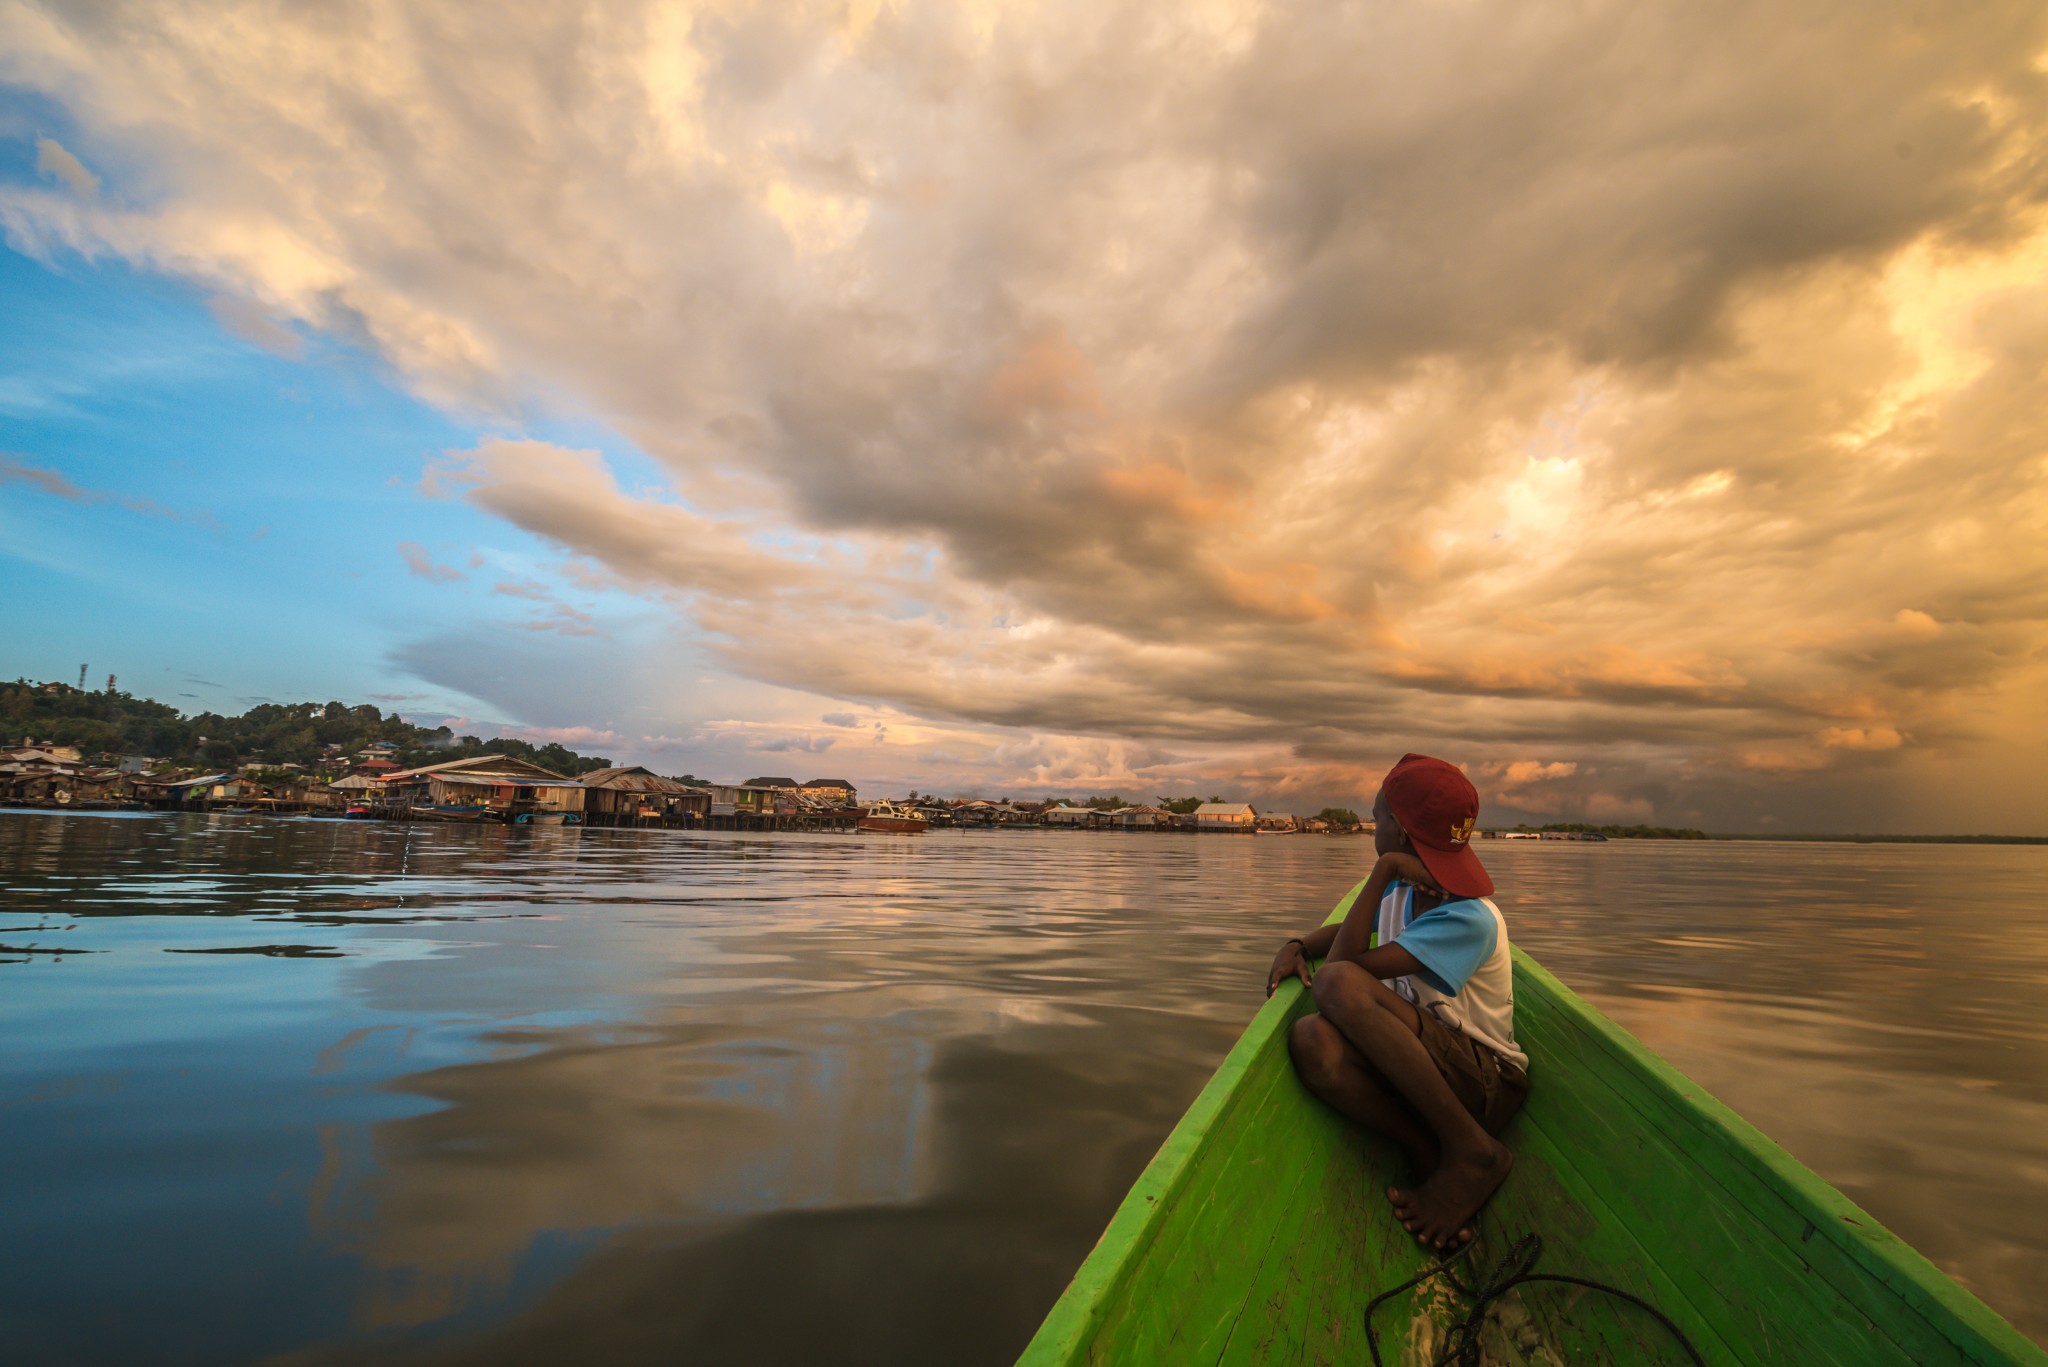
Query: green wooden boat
{"points": [[1260, 1231]]}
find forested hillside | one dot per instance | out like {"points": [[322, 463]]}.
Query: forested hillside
{"points": [[115, 723]]}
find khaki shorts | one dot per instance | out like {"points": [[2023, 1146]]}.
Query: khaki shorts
{"points": [[1491, 1088]]}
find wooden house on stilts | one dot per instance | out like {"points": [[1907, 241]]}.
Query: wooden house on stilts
{"points": [[495, 787], [633, 796]]}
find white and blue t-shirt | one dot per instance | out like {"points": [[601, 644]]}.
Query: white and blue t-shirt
{"points": [[1467, 976]]}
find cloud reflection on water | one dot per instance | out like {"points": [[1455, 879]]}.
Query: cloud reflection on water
{"points": [[623, 1097]]}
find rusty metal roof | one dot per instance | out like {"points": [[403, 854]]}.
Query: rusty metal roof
{"points": [[506, 768], [634, 779]]}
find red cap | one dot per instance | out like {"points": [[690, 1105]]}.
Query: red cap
{"points": [[1438, 809]]}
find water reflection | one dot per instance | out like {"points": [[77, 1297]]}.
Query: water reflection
{"points": [[445, 1095], [982, 1249]]}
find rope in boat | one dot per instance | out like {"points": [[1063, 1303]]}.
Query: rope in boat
{"points": [[1515, 1268]]}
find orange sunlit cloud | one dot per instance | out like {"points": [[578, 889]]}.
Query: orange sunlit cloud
{"points": [[1661, 413]]}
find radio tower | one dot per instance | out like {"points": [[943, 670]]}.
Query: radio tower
{"points": [[110, 683], [81, 678]]}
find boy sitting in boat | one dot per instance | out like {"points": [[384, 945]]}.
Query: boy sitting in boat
{"points": [[1414, 1031]]}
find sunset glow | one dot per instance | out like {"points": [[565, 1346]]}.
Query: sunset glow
{"points": [[1639, 405]]}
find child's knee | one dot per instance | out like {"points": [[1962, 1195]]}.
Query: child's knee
{"points": [[1315, 1047], [1317, 1052], [1341, 982]]}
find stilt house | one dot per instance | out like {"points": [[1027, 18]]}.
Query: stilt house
{"points": [[499, 783], [631, 795]]}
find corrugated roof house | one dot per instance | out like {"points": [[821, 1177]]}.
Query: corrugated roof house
{"points": [[741, 799], [31, 777], [1225, 816], [630, 792], [499, 782], [832, 789], [48, 754], [173, 791]]}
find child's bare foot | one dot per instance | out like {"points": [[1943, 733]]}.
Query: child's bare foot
{"points": [[1422, 1159], [1439, 1212]]}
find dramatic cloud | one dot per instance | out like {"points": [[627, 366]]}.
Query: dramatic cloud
{"points": [[1638, 399]]}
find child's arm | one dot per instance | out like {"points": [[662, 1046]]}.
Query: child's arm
{"points": [[1349, 938], [1354, 938]]}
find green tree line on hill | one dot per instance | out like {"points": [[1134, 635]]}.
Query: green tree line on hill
{"points": [[112, 723]]}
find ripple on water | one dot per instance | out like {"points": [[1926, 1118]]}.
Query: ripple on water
{"points": [[453, 1094]]}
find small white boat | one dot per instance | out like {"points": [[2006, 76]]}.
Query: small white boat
{"points": [[891, 818]]}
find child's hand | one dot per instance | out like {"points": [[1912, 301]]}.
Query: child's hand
{"points": [[1290, 962], [1409, 869]]}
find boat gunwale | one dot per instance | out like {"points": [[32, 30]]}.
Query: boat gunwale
{"points": [[1921, 1287], [1924, 1288], [1110, 1264]]}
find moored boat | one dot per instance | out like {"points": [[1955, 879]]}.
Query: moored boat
{"points": [[892, 818], [1260, 1231], [471, 812]]}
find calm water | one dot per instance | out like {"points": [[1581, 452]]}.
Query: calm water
{"points": [[324, 1092]]}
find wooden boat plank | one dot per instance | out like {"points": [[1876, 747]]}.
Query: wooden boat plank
{"points": [[1161, 1322], [1278, 1131], [1256, 1296], [1868, 1245], [1762, 1300], [1584, 1236], [1328, 1324], [1221, 1197], [1255, 1275], [1365, 1251], [1811, 1282], [1282, 1306], [1173, 1182], [1303, 1296]]}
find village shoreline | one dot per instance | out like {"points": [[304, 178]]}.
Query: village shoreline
{"points": [[106, 750], [516, 791], [511, 790]]}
